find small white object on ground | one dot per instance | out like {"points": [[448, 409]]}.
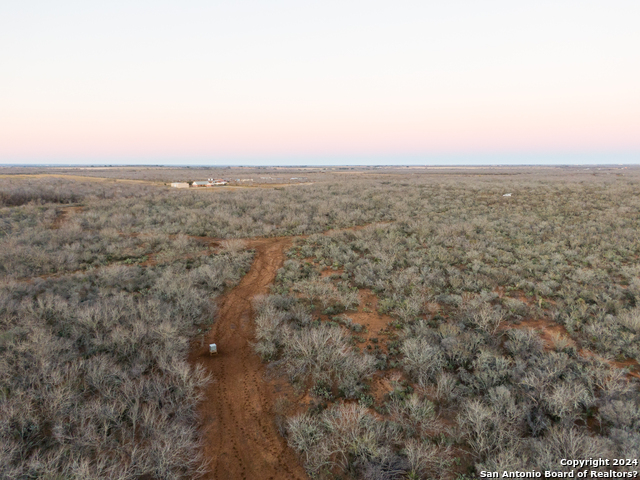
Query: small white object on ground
{"points": [[213, 349], [506, 195]]}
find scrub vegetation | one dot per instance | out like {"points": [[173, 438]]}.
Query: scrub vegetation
{"points": [[510, 322], [95, 382], [431, 327]]}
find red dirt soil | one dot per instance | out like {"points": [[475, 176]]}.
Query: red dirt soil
{"points": [[374, 321], [63, 214], [548, 329], [240, 437]]}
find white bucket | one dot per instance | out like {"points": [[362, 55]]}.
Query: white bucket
{"points": [[213, 348]]}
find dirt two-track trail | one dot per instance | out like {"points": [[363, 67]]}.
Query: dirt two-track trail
{"points": [[241, 440]]}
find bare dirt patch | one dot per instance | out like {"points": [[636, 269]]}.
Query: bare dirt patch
{"points": [[629, 363], [368, 315], [550, 330], [63, 215]]}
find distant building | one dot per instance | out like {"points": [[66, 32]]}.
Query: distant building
{"points": [[180, 185], [201, 184]]}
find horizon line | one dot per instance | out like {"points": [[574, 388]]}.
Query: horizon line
{"points": [[461, 165]]}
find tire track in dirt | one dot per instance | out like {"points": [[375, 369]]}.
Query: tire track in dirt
{"points": [[240, 438]]}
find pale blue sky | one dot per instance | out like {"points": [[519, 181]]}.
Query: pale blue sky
{"points": [[302, 82]]}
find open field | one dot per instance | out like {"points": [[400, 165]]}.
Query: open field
{"points": [[83, 178], [74, 177], [371, 323]]}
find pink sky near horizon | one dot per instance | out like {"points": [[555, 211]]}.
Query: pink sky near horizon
{"points": [[346, 78]]}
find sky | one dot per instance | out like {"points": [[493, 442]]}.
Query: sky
{"points": [[330, 82]]}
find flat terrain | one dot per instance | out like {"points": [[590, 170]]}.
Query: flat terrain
{"points": [[372, 323], [240, 436], [75, 177], [158, 183]]}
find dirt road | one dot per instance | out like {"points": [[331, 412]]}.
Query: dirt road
{"points": [[241, 439]]}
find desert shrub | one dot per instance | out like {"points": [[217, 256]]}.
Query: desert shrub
{"points": [[426, 459], [489, 370], [348, 438], [446, 387], [327, 293], [567, 399], [631, 319], [523, 343], [561, 343], [20, 195], [347, 433], [492, 429], [453, 300], [94, 371], [567, 443], [621, 413], [269, 329], [409, 309], [485, 317], [323, 354], [414, 410], [461, 349], [422, 360], [515, 307], [627, 444], [284, 329]]}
